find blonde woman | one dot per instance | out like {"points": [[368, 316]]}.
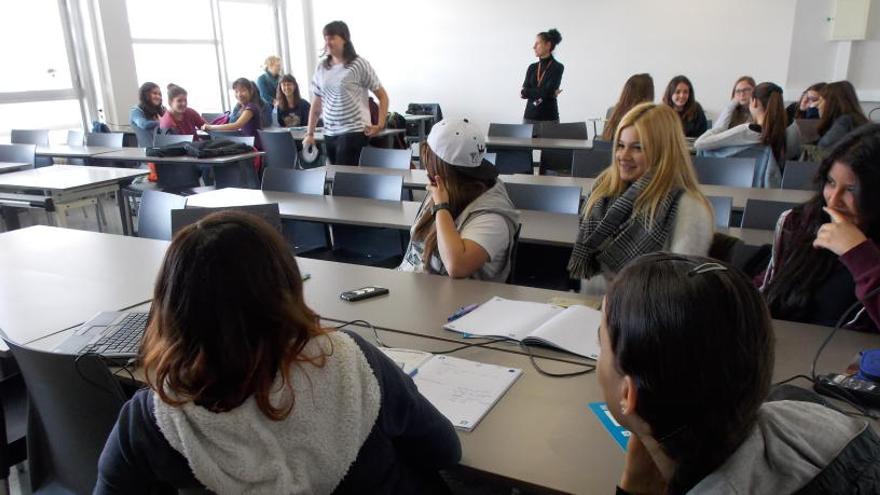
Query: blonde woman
{"points": [[268, 80], [646, 201]]}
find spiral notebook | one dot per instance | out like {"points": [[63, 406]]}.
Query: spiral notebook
{"points": [[574, 329]]}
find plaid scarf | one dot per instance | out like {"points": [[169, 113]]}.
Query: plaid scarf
{"points": [[610, 236]]}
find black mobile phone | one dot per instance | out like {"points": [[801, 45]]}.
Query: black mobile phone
{"points": [[362, 293]]}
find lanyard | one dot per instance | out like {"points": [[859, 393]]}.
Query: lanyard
{"points": [[543, 73]]}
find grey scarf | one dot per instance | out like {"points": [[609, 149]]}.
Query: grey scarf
{"points": [[610, 236]]}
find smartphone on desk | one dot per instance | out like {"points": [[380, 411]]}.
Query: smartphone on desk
{"points": [[362, 293]]}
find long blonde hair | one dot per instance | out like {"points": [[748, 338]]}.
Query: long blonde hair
{"points": [[662, 138]]}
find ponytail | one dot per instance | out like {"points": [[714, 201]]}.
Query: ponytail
{"points": [[775, 119]]}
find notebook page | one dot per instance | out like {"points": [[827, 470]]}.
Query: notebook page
{"points": [[408, 360], [463, 390], [504, 318], [575, 330]]}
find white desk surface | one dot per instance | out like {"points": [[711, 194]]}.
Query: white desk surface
{"points": [[66, 177], [6, 167], [140, 155], [65, 151]]}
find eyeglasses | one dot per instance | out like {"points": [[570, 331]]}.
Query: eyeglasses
{"points": [[742, 91]]}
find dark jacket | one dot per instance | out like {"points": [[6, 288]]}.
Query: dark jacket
{"points": [[839, 128], [298, 115], [359, 425], [695, 127], [541, 97]]}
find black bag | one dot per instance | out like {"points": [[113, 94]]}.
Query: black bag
{"points": [[215, 148], [174, 149]]}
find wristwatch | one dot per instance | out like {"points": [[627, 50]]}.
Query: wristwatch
{"points": [[440, 206]]}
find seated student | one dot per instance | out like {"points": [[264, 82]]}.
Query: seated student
{"points": [[839, 113], [737, 110], [805, 108], [180, 119], [466, 225], [825, 251], [144, 117], [292, 109], [246, 115], [639, 88], [248, 394], [767, 128], [267, 83], [680, 97], [646, 201], [660, 372]]}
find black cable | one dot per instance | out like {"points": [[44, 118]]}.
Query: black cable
{"points": [[588, 368], [795, 377]]}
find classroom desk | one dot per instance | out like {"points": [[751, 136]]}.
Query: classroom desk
{"points": [[65, 151], [538, 143], [6, 167], [232, 170], [538, 227], [59, 188], [540, 433]]}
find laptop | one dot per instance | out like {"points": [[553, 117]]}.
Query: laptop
{"points": [[115, 335]]}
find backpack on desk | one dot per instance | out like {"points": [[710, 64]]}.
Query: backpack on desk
{"points": [[215, 148]]}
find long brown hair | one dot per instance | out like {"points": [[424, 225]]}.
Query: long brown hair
{"points": [[349, 54], [639, 88], [281, 98], [840, 99], [228, 317], [689, 112], [775, 120], [741, 113], [462, 191], [818, 87]]}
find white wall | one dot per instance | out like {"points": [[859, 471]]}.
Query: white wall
{"points": [[471, 56]]}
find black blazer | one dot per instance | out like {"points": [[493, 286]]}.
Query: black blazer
{"points": [[545, 93]]}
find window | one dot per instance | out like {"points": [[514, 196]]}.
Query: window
{"points": [[57, 116], [248, 38], [191, 66], [38, 56]]}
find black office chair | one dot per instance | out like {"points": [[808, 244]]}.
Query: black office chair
{"points": [[799, 175], [188, 216], [368, 245], [223, 134], [305, 237], [554, 199], [18, 153], [74, 403], [589, 163], [723, 206], [13, 423], [559, 162], [599, 144], [110, 139], [280, 148], [39, 137], [734, 172], [762, 214], [166, 139], [248, 140], [154, 214], [512, 161], [385, 158], [432, 109]]}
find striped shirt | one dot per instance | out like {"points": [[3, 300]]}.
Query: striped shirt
{"points": [[344, 92]]}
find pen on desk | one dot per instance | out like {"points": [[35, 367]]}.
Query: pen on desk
{"points": [[413, 373], [462, 311]]}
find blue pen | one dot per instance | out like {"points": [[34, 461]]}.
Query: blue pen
{"points": [[413, 373], [462, 311]]}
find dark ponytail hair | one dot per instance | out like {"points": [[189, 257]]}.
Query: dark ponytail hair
{"points": [[174, 91], [150, 111], [805, 268], [340, 29], [775, 120], [551, 36], [698, 390]]}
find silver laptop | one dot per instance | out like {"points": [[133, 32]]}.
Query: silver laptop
{"points": [[115, 335]]}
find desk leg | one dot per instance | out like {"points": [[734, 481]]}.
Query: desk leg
{"points": [[122, 202], [421, 130]]}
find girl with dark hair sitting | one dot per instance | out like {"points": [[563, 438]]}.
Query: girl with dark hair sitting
{"points": [[680, 97], [180, 118], [839, 112], [825, 252], [144, 117], [694, 400], [246, 116], [292, 109], [249, 394]]}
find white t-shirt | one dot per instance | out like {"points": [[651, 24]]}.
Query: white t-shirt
{"points": [[344, 92]]}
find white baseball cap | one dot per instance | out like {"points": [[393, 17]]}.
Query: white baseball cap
{"points": [[460, 144]]}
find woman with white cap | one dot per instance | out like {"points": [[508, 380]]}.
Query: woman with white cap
{"points": [[466, 226]]}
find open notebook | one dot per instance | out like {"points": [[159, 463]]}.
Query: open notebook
{"points": [[574, 329]]}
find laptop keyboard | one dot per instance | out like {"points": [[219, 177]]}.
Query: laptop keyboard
{"points": [[125, 340]]}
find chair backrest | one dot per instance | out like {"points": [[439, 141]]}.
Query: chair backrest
{"points": [[734, 172], [599, 144], [268, 212], [762, 214], [513, 161], [154, 214], [18, 153], [223, 134], [589, 163], [111, 139], [525, 131], [799, 175], [387, 187], [74, 403], [280, 150], [385, 158], [555, 199], [166, 139], [40, 137], [722, 205], [294, 181], [248, 140], [567, 130], [75, 138]]}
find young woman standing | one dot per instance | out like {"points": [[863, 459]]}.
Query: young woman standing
{"points": [[541, 85]]}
